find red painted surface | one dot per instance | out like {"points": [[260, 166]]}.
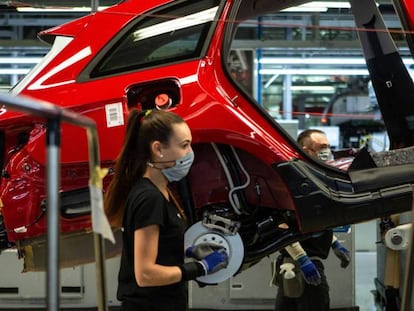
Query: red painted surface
{"points": [[207, 97]]}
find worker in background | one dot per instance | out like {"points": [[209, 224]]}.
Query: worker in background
{"points": [[313, 293]]}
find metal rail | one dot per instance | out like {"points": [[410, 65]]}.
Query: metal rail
{"points": [[54, 116]]}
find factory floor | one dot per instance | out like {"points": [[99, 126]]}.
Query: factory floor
{"points": [[365, 273]]}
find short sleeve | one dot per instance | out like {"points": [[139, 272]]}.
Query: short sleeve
{"points": [[147, 208]]}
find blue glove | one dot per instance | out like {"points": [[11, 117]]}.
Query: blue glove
{"points": [[309, 271], [201, 250], [215, 261], [342, 253]]}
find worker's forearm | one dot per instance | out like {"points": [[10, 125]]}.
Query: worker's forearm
{"points": [[295, 250]]}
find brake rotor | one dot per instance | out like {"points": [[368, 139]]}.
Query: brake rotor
{"points": [[232, 243]]}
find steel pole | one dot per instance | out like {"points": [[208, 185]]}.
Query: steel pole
{"points": [[99, 243], [100, 272], [53, 213], [94, 5]]}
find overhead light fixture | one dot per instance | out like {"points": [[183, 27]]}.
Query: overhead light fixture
{"points": [[311, 71], [320, 61], [316, 88], [20, 60], [14, 71], [304, 9], [57, 10], [318, 6]]}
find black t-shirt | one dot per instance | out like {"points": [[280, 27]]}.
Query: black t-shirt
{"points": [[318, 246], [145, 205]]}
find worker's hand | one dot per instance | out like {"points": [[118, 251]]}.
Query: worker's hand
{"points": [[342, 253], [215, 261], [309, 270], [201, 250]]}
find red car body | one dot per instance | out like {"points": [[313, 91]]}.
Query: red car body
{"points": [[248, 173]]}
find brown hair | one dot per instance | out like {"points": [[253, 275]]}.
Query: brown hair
{"points": [[143, 127]]}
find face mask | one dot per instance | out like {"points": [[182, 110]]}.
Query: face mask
{"points": [[180, 169], [325, 154]]}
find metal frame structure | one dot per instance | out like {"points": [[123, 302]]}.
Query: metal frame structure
{"points": [[54, 116]]}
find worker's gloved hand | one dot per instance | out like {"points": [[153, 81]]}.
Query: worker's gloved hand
{"points": [[201, 250], [215, 261], [309, 270], [342, 253]]}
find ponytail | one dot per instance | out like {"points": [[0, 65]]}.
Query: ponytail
{"points": [[143, 127]]}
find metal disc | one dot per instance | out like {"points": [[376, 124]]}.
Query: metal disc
{"points": [[233, 244]]}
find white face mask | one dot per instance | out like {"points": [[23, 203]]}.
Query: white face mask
{"points": [[325, 154], [180, 169]]}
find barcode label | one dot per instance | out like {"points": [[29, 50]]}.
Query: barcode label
{"points": [[114, 115]]}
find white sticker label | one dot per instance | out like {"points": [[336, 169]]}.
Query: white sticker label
{"points": [[114, 115]]}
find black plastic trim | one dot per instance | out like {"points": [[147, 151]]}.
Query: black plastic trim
{"points": [[325, 202]]}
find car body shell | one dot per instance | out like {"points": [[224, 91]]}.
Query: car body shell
{"points": [[227, 125]]}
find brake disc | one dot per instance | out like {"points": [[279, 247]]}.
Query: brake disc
{"points": [[233, 244]]}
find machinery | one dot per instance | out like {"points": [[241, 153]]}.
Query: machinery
{"points": [[357, 114], [393, 260], [398, 237]]}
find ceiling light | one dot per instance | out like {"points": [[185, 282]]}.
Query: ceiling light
{"points": [[317, 88], [304, 9], [320, 61], [310, 71], [52, 10], [20, 60], [318, 6], [14, 71]]}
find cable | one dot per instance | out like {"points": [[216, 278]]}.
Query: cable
{"points": [[233, 199], [235, 204], [232, 190]]}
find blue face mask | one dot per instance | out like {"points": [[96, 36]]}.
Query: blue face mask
{"points": [[180, 169]]}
